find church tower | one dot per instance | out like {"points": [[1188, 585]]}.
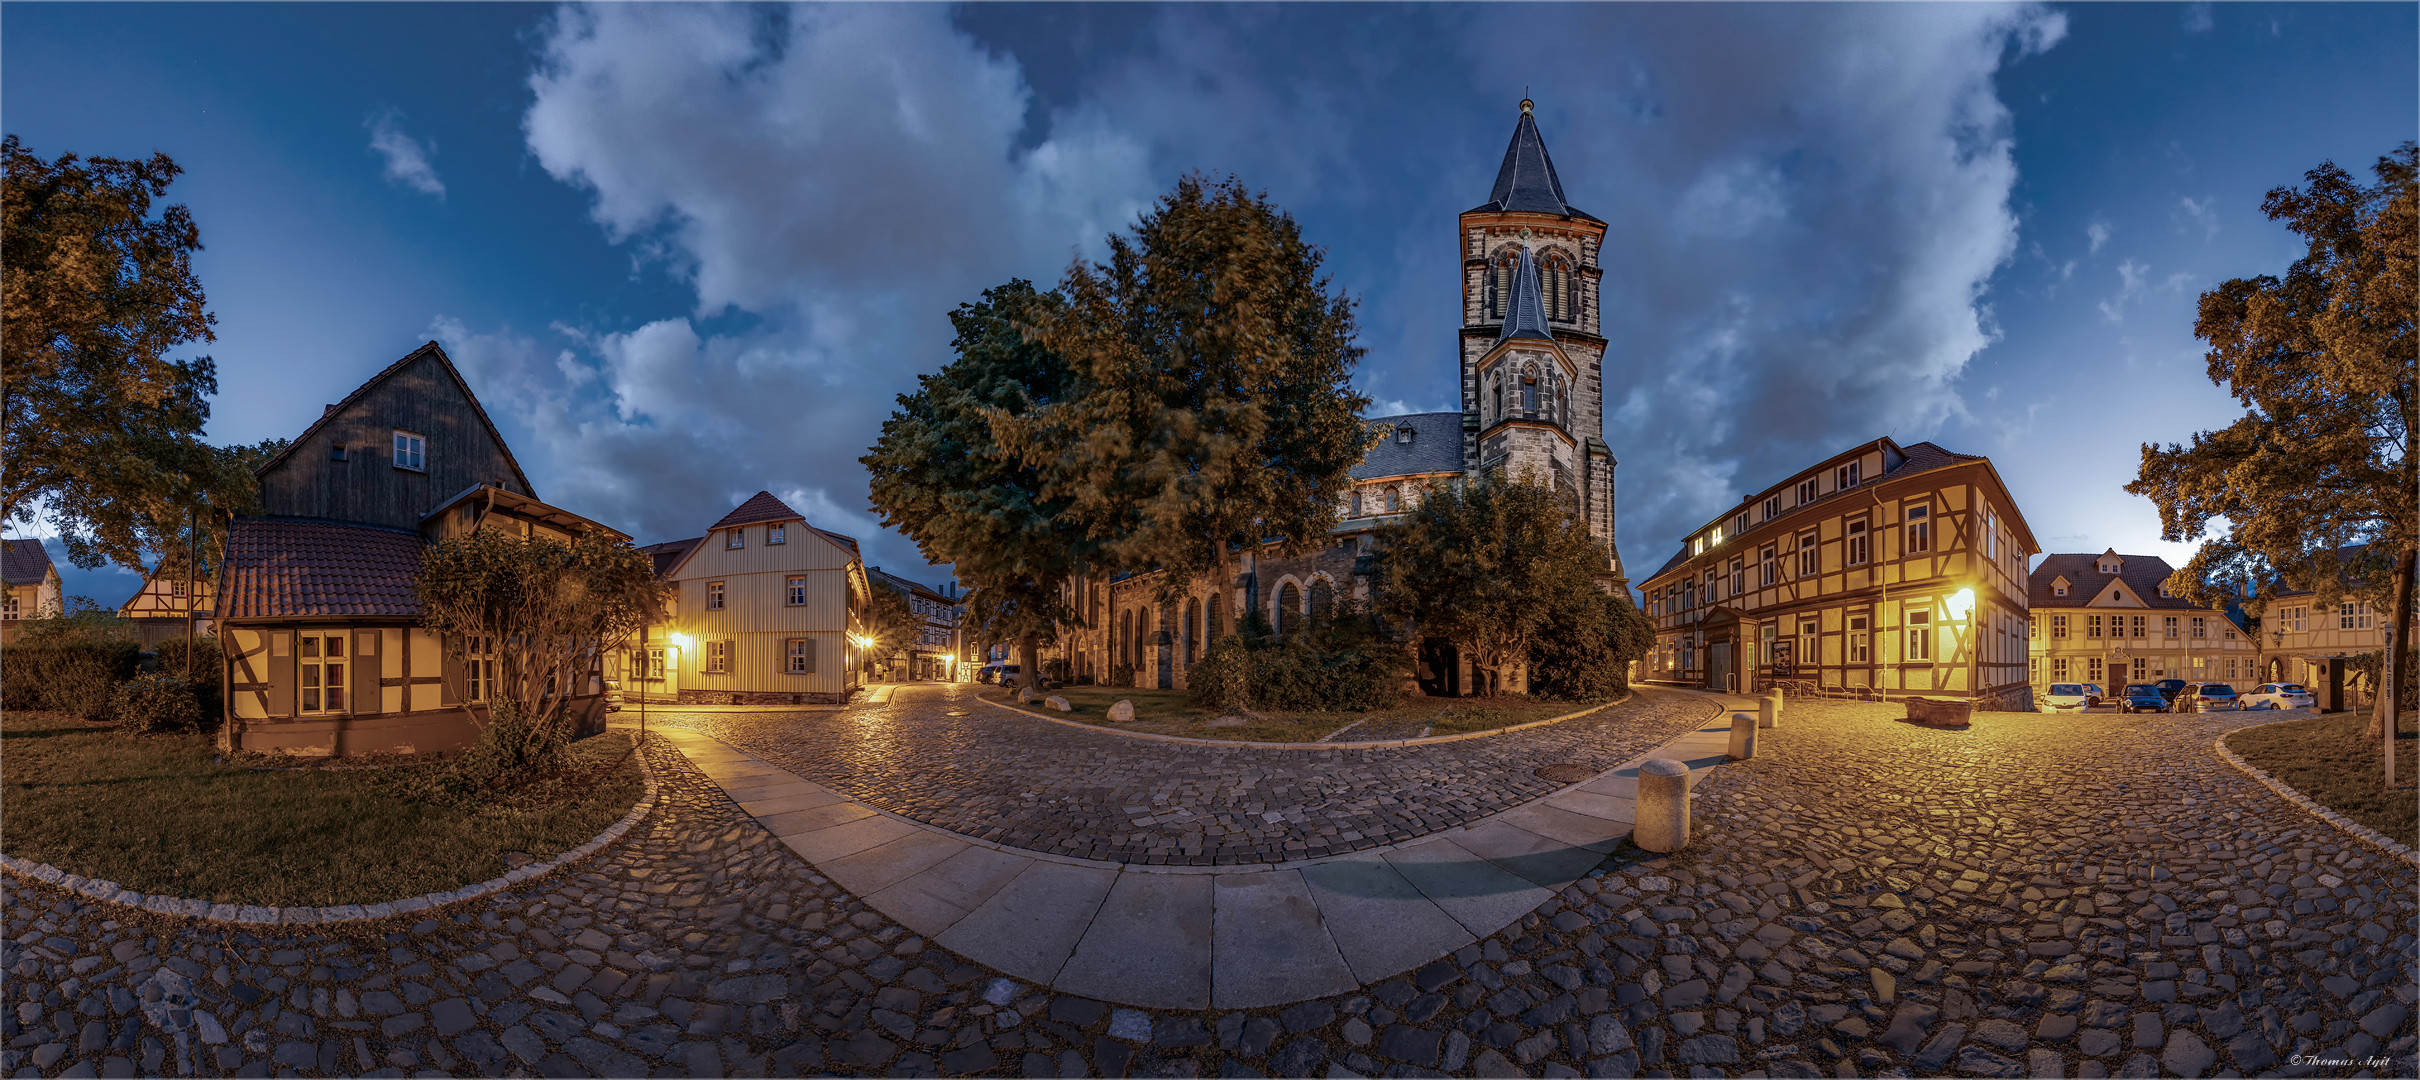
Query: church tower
{"points": [[1532, 346]]}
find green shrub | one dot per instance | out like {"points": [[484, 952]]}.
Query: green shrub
{"points": [[70, 674], [1584, 649], [1337, 662], [206, 672], [154, 703]]}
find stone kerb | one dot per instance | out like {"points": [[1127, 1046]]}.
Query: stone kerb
{"points": [[258, 915], [2355, 829], [1373, 744]]}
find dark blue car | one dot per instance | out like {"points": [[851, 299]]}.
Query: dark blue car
{"points": [[2143, 697]]}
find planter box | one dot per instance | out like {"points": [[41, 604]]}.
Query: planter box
{"points": [[1940, 712]]}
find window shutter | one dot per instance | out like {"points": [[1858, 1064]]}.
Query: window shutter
{"points": [[810, 647]]}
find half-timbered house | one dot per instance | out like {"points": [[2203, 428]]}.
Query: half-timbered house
{"points": [[1883, 570], [317, 614], [2112, 619]]}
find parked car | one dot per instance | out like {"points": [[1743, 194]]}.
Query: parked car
{"points": [[2169, 688], [2277, 695], [2142, 697], [993, 672], [2067, 697], [2207, 697], [2092, 695]]}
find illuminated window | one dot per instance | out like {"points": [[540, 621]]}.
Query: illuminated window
{"points": [[1919, 635], [1919, 529], [1854, 552]]}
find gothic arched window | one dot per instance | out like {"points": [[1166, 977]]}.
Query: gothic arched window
{"points": [[1495, 387], [1394, 500], [1289, 608], [1125, 635], [1499, 283], [1554, 279], [1529, 395], [1193, 636], [1356, 502]]}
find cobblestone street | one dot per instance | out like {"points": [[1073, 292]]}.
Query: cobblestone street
{"points": [[2039, 895], [937, 755]]}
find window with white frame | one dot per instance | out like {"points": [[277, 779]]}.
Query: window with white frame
{"points": [[2140, 626], [2355, 616], [652, 665], [2168, 626], [411, 451], [1739, 576], [1739, 524], [735, 538], [2201, 626], [714, 596], [1919, 529], [1991, 535], [1854, 551], [1772, 507], [1858, 653], [798, 656], [718, 658], [2142, 668], [2092, 669], [777, 534], [320, 671], [1807, 554], [1768, 565], [795, 591], [1806, 491], [2058, 669], [1920, 635], [1846, 475], [8, 606], [2058, 626], [2092, 626], [478, 668]]}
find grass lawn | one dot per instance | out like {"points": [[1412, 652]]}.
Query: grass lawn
{"points": [[1166, 712], [166, 814], [2326, 759]]}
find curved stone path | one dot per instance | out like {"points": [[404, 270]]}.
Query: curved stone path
{"points": [[2044, 895], [933, 753]]}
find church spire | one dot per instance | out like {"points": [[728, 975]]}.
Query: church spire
{"points": [[1525, 306], [1526, 181]]}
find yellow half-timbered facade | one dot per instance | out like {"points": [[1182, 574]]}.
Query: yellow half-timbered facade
{"points": [[2111, 619], [1881, 571]]}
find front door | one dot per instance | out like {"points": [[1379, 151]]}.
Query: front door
{"points": [[1718, 660]]}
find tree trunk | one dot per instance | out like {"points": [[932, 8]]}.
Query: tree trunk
{"points": [[1029, 656], [2388, 692]]}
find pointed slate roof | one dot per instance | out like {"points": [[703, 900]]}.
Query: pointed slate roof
{"points": [[760, 507], [1526, 181], [24, 562], [1525, 309]]}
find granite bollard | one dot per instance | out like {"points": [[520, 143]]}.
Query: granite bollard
{"points": [[1768, 711], [1663, 806], [1743, 736]]}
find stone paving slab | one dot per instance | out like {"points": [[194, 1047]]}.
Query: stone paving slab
{"points": [[1479, 894], [820, 846], [1382, 924], [882, 866], [1270, 945], [932, 902], [1149, 944], [1031, 925]]}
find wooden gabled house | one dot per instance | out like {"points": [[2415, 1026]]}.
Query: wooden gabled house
{"points": [[765, 611], [317, 614]]}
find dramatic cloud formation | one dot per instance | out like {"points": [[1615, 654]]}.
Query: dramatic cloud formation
{"points": [[407, 159], [1806, 210]]}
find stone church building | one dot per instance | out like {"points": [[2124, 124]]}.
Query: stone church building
{"points": [[1532, 388]]}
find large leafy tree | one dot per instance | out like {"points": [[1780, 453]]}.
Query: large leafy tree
{"points": [[549, 608], [1493, 566], [941, 478], [2327, 454], [1211, 407], [100, 428]]}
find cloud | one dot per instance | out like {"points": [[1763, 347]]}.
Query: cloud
{"points": [[2098, 233], [2130, 288], [2201, 213], [2197, 17], [1805, 213], [407, 159]]}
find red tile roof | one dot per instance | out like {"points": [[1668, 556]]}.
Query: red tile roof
{"points": [[286, 567], [24, 562], [760, 507]]}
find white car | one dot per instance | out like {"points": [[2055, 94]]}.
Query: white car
{"points": [[2276, 695], [2067, 697]]}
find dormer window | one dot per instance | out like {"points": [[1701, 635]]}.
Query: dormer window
{"points": [[1846, 475], [1772, 508], [2059, 587], [1403, 435]]}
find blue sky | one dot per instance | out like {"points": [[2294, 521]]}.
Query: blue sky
{"points": [[687, 252]]}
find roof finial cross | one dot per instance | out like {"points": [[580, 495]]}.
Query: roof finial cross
{"points": [[1525, 102]]}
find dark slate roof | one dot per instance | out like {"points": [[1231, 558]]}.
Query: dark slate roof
{"points": [[2345, 556], [1436, 447], [292, 567], [760, 507], [1525, 309], [1526, 181], [668, 554], [883, 577], [431, 349], [24, 562], [2141, 575], [842, 539]]}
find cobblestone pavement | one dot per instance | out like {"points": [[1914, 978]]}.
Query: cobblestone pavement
{"points": [[935, 754], [2049, 896]]}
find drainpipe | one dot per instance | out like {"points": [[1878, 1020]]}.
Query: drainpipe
{"points": [[1883, 607]]}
